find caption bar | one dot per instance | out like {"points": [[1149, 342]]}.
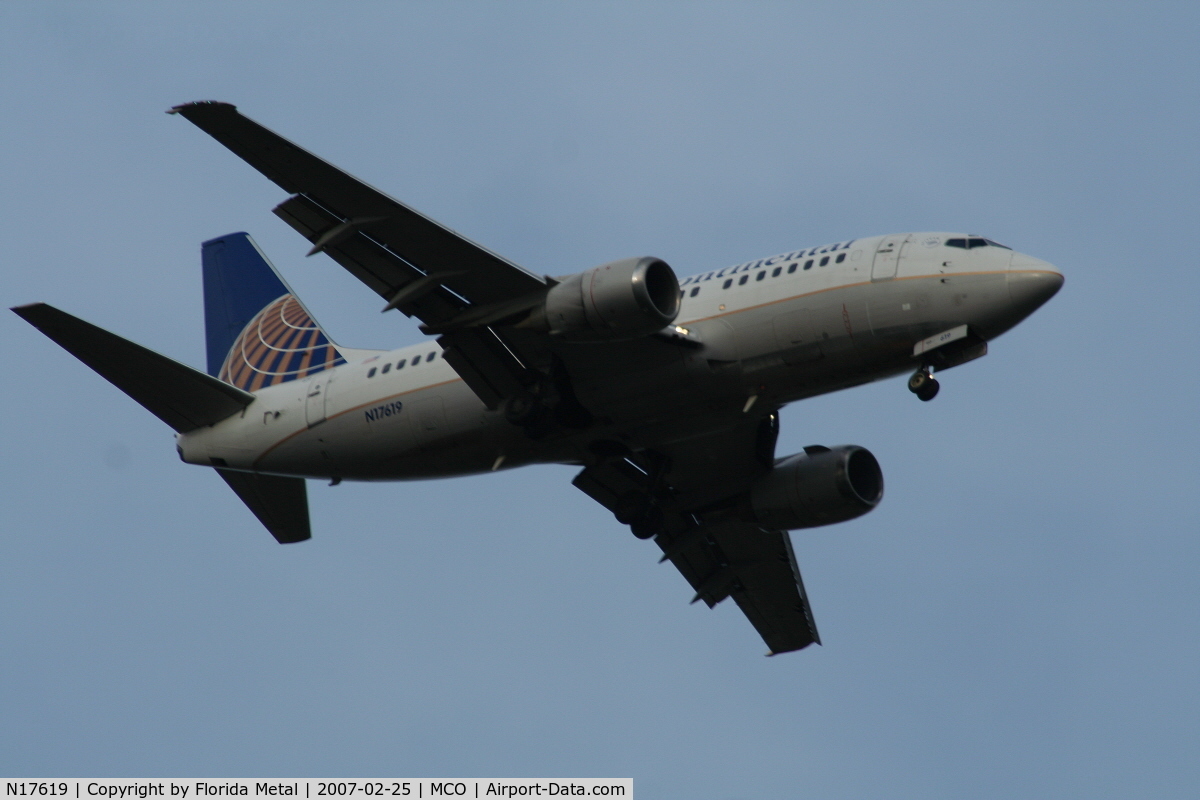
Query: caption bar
{"points": [[111, 789]]}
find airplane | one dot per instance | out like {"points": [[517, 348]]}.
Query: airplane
{"points": [[664, 392]]}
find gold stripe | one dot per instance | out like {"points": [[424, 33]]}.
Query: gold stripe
{"points": [[351, 411]]}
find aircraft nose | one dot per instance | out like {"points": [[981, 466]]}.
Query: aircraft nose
{"points": [[1031, 282]]}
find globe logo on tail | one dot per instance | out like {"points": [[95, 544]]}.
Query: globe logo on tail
{"points": [[281, 343]]}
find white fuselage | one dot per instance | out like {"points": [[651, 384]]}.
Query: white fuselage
{"points": [[757, 335]]}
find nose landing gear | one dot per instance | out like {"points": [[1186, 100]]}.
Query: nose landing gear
{"points": [[923, 384]]}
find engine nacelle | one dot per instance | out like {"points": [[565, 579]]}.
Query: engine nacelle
{"points": [[622, 300], [820, 486]]}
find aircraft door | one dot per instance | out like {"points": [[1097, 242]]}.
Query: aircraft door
{"points": [[887, 257], [314, 402]]}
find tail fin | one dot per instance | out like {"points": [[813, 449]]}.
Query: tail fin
{"points": [[257, 332]]}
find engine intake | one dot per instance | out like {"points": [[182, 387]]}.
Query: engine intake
{"points": [[621, 300], [820, 486]]}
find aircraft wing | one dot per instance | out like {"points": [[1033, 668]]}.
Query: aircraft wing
{"points": [[454, 286], [702, 533], [757, 568]]}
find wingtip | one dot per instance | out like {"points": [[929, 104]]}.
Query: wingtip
{"points": [[24, 310], [198, 104]]}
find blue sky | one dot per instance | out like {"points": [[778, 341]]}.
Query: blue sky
{"points": [[1017, 618]]}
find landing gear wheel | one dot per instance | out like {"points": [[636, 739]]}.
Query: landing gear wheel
{"points": [[923, 385], [641, 513], [647, 528], [633, 507]]}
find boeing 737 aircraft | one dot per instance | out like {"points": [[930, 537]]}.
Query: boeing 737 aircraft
{"points": [[665, 393]]}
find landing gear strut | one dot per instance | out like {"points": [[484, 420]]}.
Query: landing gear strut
{"points": [[923, 384], [546, 402]]}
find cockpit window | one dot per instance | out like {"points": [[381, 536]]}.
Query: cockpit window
{"points": [[973, 242]]}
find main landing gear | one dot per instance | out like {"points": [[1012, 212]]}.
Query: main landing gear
{"points": [[641, 512], [546, 402], [923, 384]]}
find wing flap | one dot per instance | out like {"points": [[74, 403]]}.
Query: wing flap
{"points": [[309, 219], [484, 363], [180, 396], [477, 354], [381, 270]]}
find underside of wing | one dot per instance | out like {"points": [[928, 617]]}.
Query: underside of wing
{"points": [[757, 568], [685, 496], [482, 277], [455, 287]]}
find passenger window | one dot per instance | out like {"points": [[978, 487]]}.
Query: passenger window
{"points": [[743, 279], [727, 284], [977, 243], [762, 274], [431, 356], [775, 272], [841, 258], [824, 261], [416, 360], [371, 374], [386, 368], [695, 292], [957, 243], [808, 264], [400, 363], [791, 268]]}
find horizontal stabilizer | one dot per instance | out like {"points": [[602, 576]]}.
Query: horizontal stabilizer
{"points": [[281, 504], [180, 396]]}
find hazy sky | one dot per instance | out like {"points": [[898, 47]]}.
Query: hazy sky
{"points": [[1018, 618]]}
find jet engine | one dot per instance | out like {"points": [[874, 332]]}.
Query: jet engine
{"points": [[622, 300], [820, 486]]}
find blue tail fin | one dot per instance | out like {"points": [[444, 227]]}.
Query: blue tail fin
{"points": [[257, 333]]}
